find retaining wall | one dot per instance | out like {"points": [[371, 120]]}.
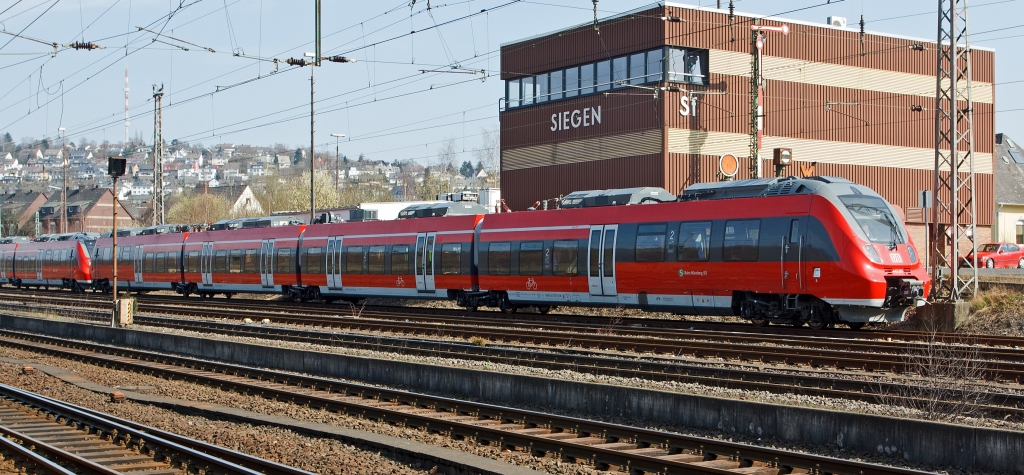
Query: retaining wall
{"points": [[914, 441]]}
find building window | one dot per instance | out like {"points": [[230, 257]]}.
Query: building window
{"points": [[637, 65], [688, 66], [671, 64], [542, 88], [1020, 232], [620, 71], [587, 79], [556, 84], [572, 82]]}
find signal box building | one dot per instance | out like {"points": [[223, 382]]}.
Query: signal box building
{"points": [[655, 96]]}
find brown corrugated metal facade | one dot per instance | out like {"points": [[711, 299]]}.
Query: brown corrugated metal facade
{"points": [[845, 106]]}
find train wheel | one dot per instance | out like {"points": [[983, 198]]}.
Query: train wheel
{"points": [[759, 322], [471, 308], [506, 306], [855, 325], [228, 296], [817, 325], [544, 309]]}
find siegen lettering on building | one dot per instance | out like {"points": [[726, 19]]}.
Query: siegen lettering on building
{"points": [[575, 119]]}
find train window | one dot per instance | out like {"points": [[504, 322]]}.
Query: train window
{"points": [[565, 258], [48, 258], [429, 257], [400, 259], [192, 261], [741, 240], [174, 261], [284, 261], [794, 231], [375, 260], [125, 254], [235, 264], [251, 262], [650, 243], [220, 262], [531, 258], [107, 254], [354, 260], [161, 262], [694, 242], [314, 260], [147, 264], [67, 255], [451, 259], [499, 258]]}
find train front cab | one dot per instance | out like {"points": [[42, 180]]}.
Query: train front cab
{"points": [[60, 264]]}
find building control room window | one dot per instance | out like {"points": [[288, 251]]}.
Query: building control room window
{"points": [[666, 64]]}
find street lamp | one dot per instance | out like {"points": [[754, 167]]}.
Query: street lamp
{"points": [[337, 157], [64, 190]]}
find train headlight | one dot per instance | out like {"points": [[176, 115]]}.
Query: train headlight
{"points": [[872, 254], [913, 253]]}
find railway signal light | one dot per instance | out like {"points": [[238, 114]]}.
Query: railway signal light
{"points": [[116, 166], [782, 157]]}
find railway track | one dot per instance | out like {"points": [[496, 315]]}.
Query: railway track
{"points": [[741, 376], [65, 439], [995, 364], [606, 446], [732, 331]]}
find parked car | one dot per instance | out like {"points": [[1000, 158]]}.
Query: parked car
{"points": [[999, 254]]}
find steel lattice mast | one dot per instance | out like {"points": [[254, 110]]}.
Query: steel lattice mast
{"points": [[954, 209], [158, 156]]}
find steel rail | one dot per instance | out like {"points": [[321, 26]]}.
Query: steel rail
{"points": [[130, 436], [732, 331], [602, 444], [752, 351], [7, 442], [230, 458], [999, 404]]}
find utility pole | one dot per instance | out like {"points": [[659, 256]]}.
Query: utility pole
{"points": [[337, 159], [954, 211], [757, 40], [158, 156], [312, 128], [115, 168], [64, 189]]}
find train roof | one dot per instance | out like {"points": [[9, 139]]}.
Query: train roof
{"points": [[453, 208], [759, 187], [624, 196]]}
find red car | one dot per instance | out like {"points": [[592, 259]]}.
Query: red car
{"points": [[999, 254]]}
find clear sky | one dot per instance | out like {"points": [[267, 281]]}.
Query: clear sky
{"points": [[385, 105]]}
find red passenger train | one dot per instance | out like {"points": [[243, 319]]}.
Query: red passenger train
{"points": [[816, 251]]}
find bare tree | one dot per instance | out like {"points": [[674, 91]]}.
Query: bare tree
{"points": [[199, 208], [489, 153], [446, 156], [942, 380]]}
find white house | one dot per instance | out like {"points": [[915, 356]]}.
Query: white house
{"points": [[141, 187]]}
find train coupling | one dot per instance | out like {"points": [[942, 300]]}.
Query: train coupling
{"points": [[903, 292]]}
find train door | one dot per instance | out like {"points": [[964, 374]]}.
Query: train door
{"points": [[206, 257], [334, 249], [601, 258], [40, 256], [793, 279], [425, 261], [138, 258], [3, 265], [267, 263]]}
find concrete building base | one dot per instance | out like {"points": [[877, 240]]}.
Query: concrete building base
{"points": [[914, 441]]}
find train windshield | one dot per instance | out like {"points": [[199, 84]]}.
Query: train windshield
{"points": [[875, 219]]}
